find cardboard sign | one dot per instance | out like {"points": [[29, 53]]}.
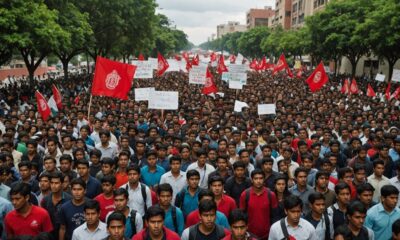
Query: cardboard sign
{"points": [[197, 75], [239, 59], [239, 105], [263, 109], [174, 65], [396, 75], [164, 100], [380, 77], [143, 94], [154, 62], [235, 85], [144, 69]]}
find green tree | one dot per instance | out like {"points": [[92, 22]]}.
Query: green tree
{"points": [[32, 30], [382, 31], [250, 41], [271, 44], [78, 28]]}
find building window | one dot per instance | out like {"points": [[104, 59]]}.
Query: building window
{"points": [[294, 20], [287, 14], [295, 7], [261, 22], [301, 18], [300, 5]]}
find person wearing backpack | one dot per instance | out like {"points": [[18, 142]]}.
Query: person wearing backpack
{"points": [[155, 219], [356, 214], [338, 210], [139, 193], [134, 221], [206, 229], [292, 226], [318, 216], [173, 216], [259, 202]]}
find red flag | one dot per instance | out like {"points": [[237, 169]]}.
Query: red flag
{"points": [[353, 87], [57, 96], [318, 78], [209, 86], [232, 58], [262, 65], [282, 64], [177, 57], [345, 88], [43, 107], [396, 93], [213, 57], [76, 100], [188, 66], [162, 64], [196, 60], [112, 79], [185, 55], [370, 91], [254, 64], [141, 57], [387, 92], [299, 73], [221, 65]]}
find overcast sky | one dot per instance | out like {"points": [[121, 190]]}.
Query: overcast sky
{"points": [[199, 18]]}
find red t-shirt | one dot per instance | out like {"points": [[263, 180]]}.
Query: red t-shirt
{"points": [[106, 205], [170, 235], [226, 205], [37, 221], [258, 211], [122, 178]]}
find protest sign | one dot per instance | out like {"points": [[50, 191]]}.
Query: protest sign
{"points": [[235, 85], [164, 100], [144, 69], [197, 75], [153, 62], [239, 105], [396, 75], [143, 94], [380, 77], [263, 109]]}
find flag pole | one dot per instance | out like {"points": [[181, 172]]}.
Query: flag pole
{"points": [[90, 105]]}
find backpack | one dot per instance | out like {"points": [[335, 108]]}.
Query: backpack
{"points": [[180, 198], [174, 219], [133, 222], [195, 228], [144, 195], [308, 217]]}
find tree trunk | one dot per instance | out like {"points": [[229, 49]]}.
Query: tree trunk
{"points": [[65, 62], [29, 59], [391, 65]]}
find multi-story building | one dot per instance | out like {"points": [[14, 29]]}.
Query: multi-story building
{"points": [[300, 10], [259, 17], [283, 14], [231, 27], [318, 5]]}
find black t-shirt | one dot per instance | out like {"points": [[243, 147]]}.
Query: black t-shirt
{"points": [[201, 236], [235, 189]]}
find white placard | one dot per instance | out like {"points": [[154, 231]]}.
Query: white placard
{"points": [[396, 75], [235, 85], [221, 94], [144, 69], [143, 94], [239, 105], [154, 62], [164, 100], [380, 77], [238, 73], [266, 109], [239, 59], [174, 65], [197, 75]]}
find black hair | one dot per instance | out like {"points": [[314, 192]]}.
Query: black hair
{"points": [[378, 162], [175, 159], [133, 167], [192, 173], [396, 227], [109, 179], [205, 193], [58, 175], [21, 188], [237, 215], [388, 190], [44, 175], [315, 196], [164, 187], [108, 161], [267, 160], [344, 231], [365, 187], [340, 186], [124, 153], [154, 211], [354, 207], [95, 152], [121, 191], [116, 216], [239, 164], [207, 205], [215, 178], [78, 181], [66, 157], [292, 201], [358, 167], [321, 173], [27, 164], [257, 172], [299, 170], [49, 158], [92, 204], [82, 162], [342, 172]]}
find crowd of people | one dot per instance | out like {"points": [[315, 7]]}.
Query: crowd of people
{"points": [[325, 166]]}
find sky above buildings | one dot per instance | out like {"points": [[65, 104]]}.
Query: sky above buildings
{"points": [[199, 18]]}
